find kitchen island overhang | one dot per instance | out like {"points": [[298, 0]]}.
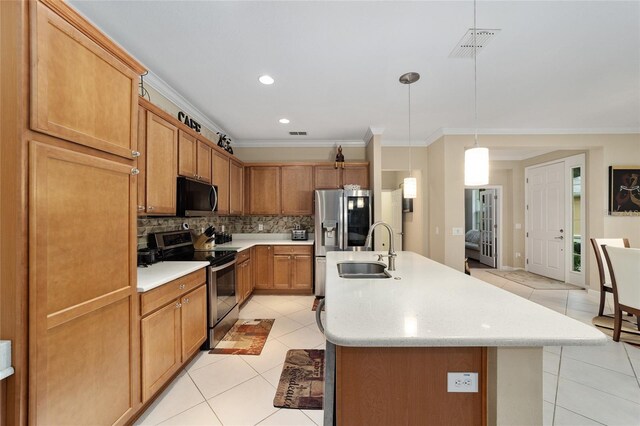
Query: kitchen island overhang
{"points": [[428, 320]]}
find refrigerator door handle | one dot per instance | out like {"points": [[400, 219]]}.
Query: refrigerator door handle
{"points": [[342, 222]]}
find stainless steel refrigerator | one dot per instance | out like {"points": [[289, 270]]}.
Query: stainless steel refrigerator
{"points": [[343, 219]]}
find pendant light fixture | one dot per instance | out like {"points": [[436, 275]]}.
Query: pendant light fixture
{"points": [[410, 183], [476, 159]]}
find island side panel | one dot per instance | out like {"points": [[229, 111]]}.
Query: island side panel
{"points": [[514, 385], [407, 386]]}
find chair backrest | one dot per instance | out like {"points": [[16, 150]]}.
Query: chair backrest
{"points": [[603, 269], [624, 264]]}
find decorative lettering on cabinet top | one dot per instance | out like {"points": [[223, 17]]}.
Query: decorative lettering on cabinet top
{"points": [[189, 121]]}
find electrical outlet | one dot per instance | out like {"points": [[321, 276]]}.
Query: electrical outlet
{"points": [[260, 227], [518, 255], [462, 382], [437, 230], [222, 228], [457, 231]]}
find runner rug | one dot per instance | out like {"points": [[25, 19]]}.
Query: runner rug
{"points": [[629, 332], [246, 337], [302, 380], [534, 281]]}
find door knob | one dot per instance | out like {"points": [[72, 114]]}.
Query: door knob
{"points": [[559, 238], [561, 231]]}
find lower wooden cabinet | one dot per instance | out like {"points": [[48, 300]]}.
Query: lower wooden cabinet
{"points": [[263, 267], [174, 331], [244, 277], [293, 267]]}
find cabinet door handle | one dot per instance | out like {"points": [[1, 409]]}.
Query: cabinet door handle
{"points": [[140, 208], [181, 286], [149, 208], [186, 300], [135, 171], [135, 154], [178, 305]]}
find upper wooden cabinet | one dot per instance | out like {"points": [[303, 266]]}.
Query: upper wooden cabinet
{"points": [[327, 177], [81, 91], [236, 187], [297, 190], [194, 158], [187, 153], [203, 162], [221, 180], [356, 174], [162, 163], [263, 192], [330, 177], [142, 161]]}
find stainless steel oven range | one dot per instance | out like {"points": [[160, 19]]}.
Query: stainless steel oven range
{"points": [[222, 304]]}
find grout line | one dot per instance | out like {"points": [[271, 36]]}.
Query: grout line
{"points": [[581, 415], [599, 390], [637, 373], [555, 400], [604, 368], [312, 421]]}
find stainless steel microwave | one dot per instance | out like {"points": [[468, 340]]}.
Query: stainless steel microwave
{"points": [[196, 198]]}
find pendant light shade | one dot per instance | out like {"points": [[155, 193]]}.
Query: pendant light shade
{"points": [[410, 187], [476, 166]]}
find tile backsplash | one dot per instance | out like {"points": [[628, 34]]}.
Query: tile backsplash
{"points": [[232, 224]]}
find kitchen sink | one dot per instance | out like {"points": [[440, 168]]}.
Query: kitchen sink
{"points": [[363, 270]]}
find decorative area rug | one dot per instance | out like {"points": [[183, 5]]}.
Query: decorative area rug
{"points": [[302, 380], [315, 303], [246, 337], [535, 281], [629, 332]]}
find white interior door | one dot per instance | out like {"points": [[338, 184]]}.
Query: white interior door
{"points": [[545, 221], [488, 227], [392, 214]]}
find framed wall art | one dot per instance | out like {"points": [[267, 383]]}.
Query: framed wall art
{"points": [[624, 190]]}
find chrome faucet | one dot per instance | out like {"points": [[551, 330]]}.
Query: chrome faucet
{"points": [[392, 253]]}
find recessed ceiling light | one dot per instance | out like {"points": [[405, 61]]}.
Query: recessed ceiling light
{"points": [[266, 79], [284, 120]]}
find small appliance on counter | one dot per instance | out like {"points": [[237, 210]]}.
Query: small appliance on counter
{"points": [[223, 237], [298, 234], [147, 257], [207, 240]]}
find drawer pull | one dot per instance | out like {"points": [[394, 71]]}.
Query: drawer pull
{"points": [[181, 287], [178, 305], [186, 300]]}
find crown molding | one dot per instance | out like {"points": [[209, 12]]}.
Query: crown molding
{"points": [[371, 132], [544, 131], [176, 98], [296, 143]]}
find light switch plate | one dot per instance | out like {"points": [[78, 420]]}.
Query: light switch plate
{"points": [[260, 227], [462, 382], [457, 231]]}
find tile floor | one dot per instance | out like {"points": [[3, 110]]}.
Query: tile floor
{"points": [[582, 385]]}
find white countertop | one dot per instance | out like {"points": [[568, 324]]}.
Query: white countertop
{"points": [[244, 241], [161, 273], [434, 305]]}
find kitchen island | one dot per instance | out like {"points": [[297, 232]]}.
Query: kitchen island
{"points": [[396, 340]]}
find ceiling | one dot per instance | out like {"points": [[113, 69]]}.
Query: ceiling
{"points": [[555, 66]]}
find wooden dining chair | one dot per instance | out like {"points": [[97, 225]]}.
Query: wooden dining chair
{"points": [[624, 266], [603, 270]]}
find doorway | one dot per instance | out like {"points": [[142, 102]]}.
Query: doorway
{"points": [[483, 239], [555, 219]]}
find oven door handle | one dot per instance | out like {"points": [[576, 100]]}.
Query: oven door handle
{"points": [[221, 267]]}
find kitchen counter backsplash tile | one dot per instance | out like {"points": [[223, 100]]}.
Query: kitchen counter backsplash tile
{"points": [[232, 224]]}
